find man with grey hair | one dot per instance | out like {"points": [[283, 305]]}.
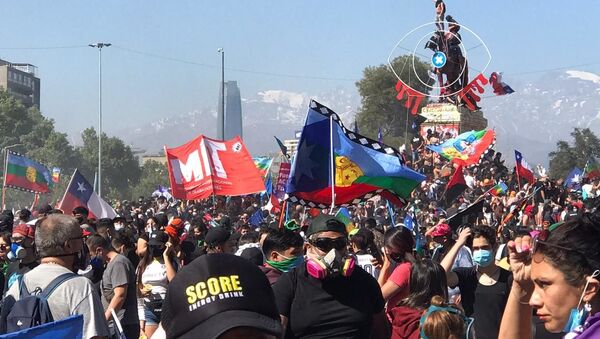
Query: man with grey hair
{"points": [[60, 246]]}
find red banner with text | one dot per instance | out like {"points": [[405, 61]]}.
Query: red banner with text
{"points": [[204, 166]]}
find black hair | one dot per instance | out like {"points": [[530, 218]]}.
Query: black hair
{"points": [[486, 232], [280, 241], [81, 210], [364, 239], [248, 238], [582, 235], [427, 279], [96, 240], [123, 237], [401, 238]]}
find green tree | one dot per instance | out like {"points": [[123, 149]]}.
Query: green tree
{"points": [[379, 106], [566, 156], [120, 167], [153, 174]]}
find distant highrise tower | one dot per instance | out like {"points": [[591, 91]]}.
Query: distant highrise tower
{"points": [[233, 112], [21, 81]]}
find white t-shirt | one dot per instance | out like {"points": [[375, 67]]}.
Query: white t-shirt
{"points": [[364, 261], [155, 274]]}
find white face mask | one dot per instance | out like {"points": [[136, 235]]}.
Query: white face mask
{"points": [[119, 226]]}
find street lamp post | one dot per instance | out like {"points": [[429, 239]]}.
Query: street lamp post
{"points": [[99, 46], [222, 136], [5, 153]]}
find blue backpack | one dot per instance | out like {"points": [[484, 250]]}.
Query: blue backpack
{"points": [[32, 307]]}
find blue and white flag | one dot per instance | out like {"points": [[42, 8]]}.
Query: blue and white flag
{"points": [[573, 180], [71, 327], [256, 219]]}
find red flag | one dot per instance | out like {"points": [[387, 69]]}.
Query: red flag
{"points": [[523, 169], [205, 166], [456, 186]]}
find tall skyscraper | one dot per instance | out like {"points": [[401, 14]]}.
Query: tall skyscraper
{"points": [[229, 124]]}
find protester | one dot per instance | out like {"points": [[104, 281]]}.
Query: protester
{"points": [[556, 274], [283, 251], [394, 278], [118, 286], [22, 255], [483, 288], [59, 244], [320, 298], [154, 272], [427, 279], [366, 252]]}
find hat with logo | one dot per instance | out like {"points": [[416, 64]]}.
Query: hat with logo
{"points": [[216, 293]]}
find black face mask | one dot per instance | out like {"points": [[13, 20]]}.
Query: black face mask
{"points": [[156, 251]]}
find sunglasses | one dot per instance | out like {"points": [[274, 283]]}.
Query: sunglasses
{"points": [[326, 244]]}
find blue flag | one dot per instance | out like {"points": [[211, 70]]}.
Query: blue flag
{"points": [[409, 222], [71, 327], [256, 219], [573, 180], [391, 213]]}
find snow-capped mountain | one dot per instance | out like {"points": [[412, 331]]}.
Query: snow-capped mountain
{"points": [[542, 112], [266, 114], [532, 120]]}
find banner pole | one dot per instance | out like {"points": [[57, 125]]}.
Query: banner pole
{"points": [[4, 181], [332, 164]]}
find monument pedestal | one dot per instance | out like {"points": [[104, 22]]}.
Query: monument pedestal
{"points": [[445, 117]]}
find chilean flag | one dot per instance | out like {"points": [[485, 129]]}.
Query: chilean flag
{"points": [[523, 169], [81, 193]]}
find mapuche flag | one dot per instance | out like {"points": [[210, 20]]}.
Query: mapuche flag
{"points": [[362, 167], [81, 193], [592, 169], [26, 174], [204, 166], [456, 186]]}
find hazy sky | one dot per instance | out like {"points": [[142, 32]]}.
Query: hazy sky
{"points": [[308, 38]]}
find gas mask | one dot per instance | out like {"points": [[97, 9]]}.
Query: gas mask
{"points": [[17, 252], [331, 265]]}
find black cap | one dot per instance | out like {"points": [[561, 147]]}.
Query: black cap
{"points": [[24, 214], [158, 238], [215, 293], [325, 222], [216, 235]]}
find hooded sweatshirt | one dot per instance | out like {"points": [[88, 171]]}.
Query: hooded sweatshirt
{"points": [[405, 322]]}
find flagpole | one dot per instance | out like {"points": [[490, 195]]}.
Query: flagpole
{"points": [[281, 214], [66, 190], [332, 164], [36, 197], [4, 181], [517, 170]]}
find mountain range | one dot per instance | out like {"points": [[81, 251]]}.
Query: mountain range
{"points": [[539, 113]]}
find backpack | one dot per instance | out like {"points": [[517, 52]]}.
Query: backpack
{"points": [[32, 307]]}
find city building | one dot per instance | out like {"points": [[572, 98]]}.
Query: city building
{"points": [[21, 81], [232, 119]]}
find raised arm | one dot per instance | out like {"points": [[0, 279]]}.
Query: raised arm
{"points": [[516, 320], [451, 256]]}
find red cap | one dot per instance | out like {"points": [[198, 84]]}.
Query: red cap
{"points": [[441, 230], [24, 230]]}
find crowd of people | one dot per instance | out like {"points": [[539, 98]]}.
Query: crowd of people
{"points": [[525, 265]]}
